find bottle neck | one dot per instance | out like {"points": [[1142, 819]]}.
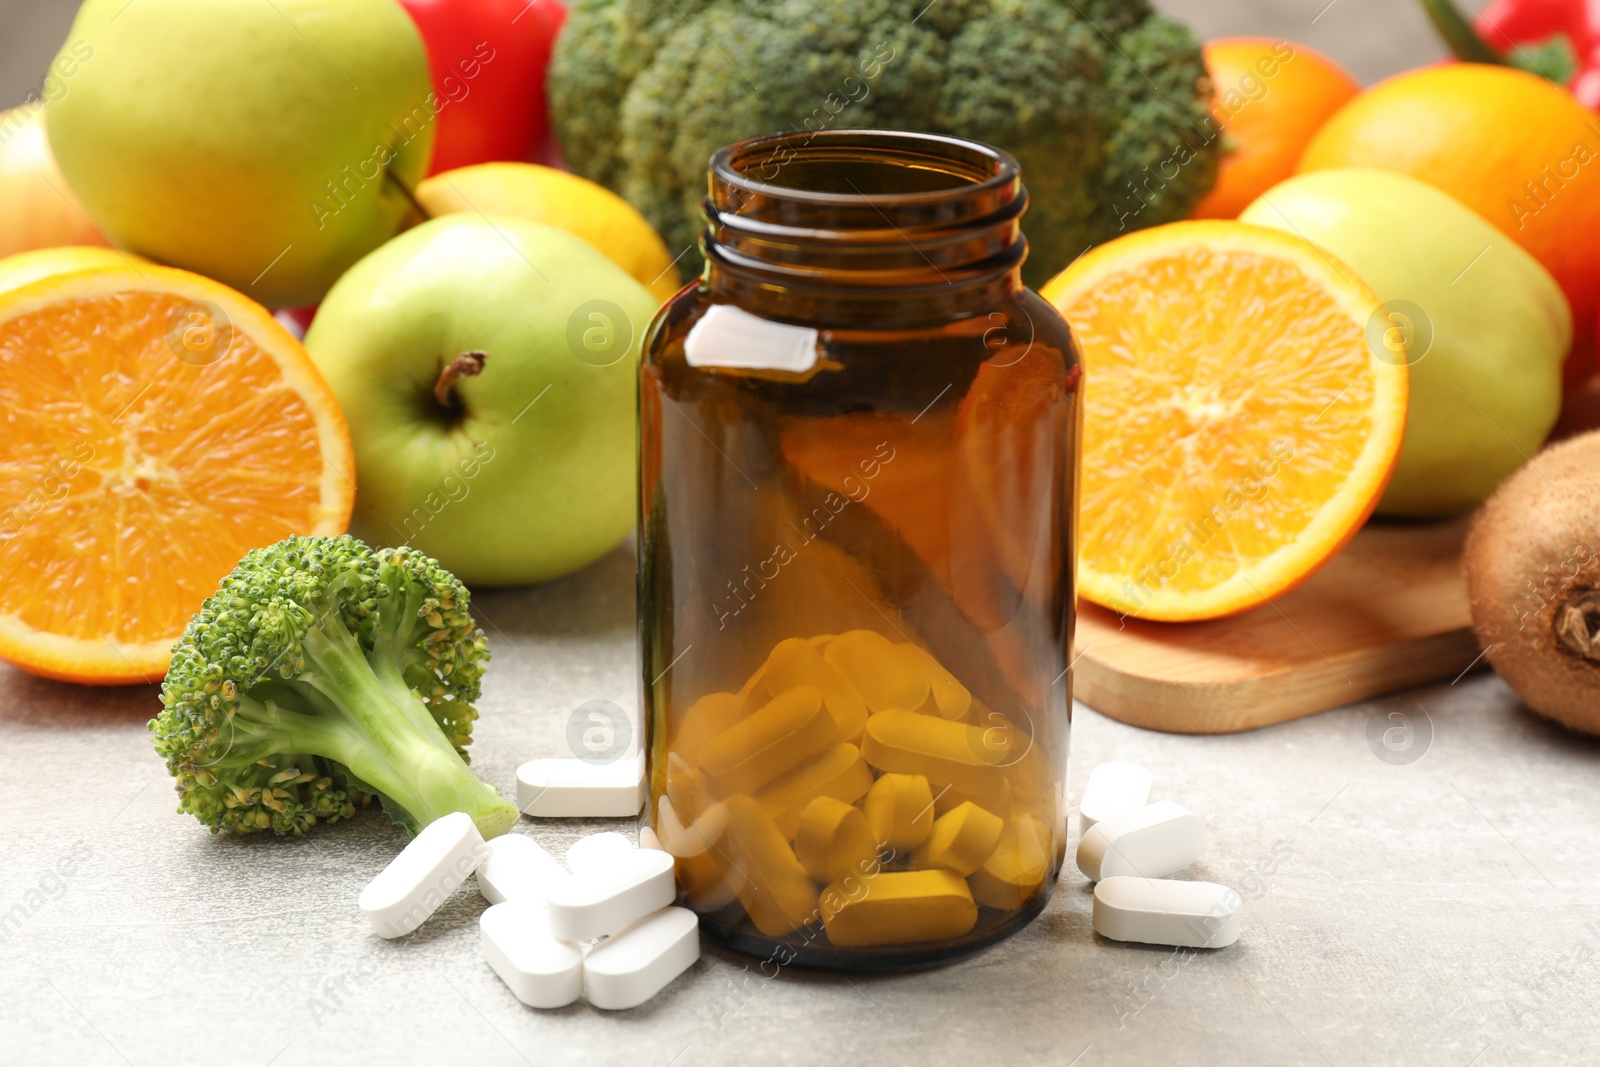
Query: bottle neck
{"points": [[886, 227]]}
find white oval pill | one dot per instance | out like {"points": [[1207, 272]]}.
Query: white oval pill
{"points": [[595, 851], [1162, 911], [1113, 789], [573, 788], [648, 838], [518, 868], [426, 872], [604, 899], [628, 969], [1149, 842], [540, 971]]}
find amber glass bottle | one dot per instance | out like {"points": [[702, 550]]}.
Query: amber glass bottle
{"points": [[859, 438]]}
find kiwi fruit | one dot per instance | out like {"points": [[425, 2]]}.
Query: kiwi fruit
{"points": [[1532, 562]]}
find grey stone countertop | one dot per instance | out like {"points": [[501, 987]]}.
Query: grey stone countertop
{"points": [[1436, 911]]}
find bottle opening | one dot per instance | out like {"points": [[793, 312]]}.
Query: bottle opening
{"points": [[865, 207], [846, 177], [845, 174], [876, 163]]}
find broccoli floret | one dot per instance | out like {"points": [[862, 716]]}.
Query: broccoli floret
{"points": [[1104, 102], [322, 674]]}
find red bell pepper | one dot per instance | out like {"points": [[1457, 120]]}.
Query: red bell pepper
{"points": [[1559, 39], [488, 59]]}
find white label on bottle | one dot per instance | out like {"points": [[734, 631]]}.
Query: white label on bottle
{"points": [[727, 336]]}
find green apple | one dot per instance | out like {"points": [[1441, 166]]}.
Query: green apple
{"points": [[262, 144], [487, 366], [1483, 327]]}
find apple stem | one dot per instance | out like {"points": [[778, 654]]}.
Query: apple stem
{"points": [[405, 191], [1578, 624], [466, 365]]}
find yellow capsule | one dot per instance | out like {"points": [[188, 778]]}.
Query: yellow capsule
{"points": [[705, 719], [785, 733], [889, 677], [898, 908], [683, 837], [795, 662], [960, 840], [840, 772], [753, 693], [686, 787], [707, 880], [948, 753], [899, 810], [833, 841], [776, 891], [995, 796], [1016, 869], [947, 698]]}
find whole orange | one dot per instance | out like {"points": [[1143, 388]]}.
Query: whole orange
{"points": [[1517, 149], [1268, 98]]}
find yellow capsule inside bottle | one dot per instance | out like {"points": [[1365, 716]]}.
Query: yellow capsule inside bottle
{"points": [[839, 772], [833, 840], [960, 841], [899, 809], [781, 735], [775, 889], [899, 908]]}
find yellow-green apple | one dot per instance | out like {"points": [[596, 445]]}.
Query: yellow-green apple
{"points": [[37, 208], [267, 145], [486, 366], [1482, 326]]}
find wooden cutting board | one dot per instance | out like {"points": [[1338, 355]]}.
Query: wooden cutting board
{"points": [[1387, 613]]}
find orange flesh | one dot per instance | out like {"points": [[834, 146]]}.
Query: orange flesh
{"points": [[1230, 397], [132, 481]]}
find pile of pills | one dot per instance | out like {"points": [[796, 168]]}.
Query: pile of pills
{"points": [[847, 759], [604, 929], [603, 926], [1129, 846]]}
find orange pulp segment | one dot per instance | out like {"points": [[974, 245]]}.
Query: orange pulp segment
{"points": [[1238, 428]]}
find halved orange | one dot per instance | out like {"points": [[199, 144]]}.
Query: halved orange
{"points": [[158, 425], [1238, 426], [24, 267]]}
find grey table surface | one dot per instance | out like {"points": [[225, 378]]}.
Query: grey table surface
{"points": [[1439, 910]]}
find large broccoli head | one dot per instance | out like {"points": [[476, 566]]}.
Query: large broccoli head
{"points": [[1104, 102], [322, 674]]}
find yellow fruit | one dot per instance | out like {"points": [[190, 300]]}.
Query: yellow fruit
{"points": [[37, 209], [1238, 429], [565, 201], [25, 267]]}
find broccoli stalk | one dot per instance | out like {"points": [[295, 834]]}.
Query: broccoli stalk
{"points": [[322, 674]]}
